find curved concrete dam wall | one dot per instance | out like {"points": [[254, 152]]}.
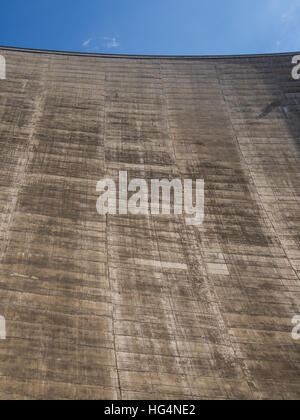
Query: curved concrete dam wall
{"points": [[146, 307]]}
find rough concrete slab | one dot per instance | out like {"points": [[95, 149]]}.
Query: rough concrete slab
{"points": [[144, 307]]}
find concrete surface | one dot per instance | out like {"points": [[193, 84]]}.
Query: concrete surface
{"points": [[89, 312]]}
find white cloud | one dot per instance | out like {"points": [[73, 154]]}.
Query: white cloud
{"points": [[94, 44], [111, 42], [87, 42]]}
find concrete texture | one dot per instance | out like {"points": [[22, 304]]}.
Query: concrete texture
{"points": [[89, 312]]}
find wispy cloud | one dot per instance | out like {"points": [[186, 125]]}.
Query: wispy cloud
{"points": [[111, 42], [87, 42], [98, 43]]}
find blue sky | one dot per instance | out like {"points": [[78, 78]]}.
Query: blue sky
{"points": [[192, 27]]}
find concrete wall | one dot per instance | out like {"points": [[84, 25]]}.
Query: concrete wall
{"points": [[138, 307]]}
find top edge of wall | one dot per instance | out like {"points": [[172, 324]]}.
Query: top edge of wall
{"points": [[129, 56]]}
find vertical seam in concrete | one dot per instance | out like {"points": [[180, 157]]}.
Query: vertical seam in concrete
{"points": [[178, 173], [107, 252]]}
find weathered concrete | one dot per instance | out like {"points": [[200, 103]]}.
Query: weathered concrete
{"points": [[88, 313]]}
